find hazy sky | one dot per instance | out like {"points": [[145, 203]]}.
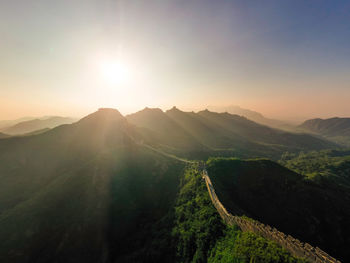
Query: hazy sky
{"points": [[281, 58]]}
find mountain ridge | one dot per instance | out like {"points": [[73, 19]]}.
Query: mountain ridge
{"points": [[336, 128], [223, 132], [37, 124], [253, 115]]}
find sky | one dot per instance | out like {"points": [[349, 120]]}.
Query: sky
{"points": [[285, 59]]}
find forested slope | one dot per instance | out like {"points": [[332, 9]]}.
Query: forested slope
{"points": [[263, 190]]}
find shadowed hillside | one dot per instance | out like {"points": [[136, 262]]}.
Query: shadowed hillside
{"points": [[312, 212], [84, 193]]}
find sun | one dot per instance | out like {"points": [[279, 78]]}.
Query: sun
{"points": [[114, 72]]}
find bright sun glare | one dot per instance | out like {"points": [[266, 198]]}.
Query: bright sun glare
{"points": [[114, 72]]}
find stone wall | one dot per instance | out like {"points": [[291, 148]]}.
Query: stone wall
{"points": [[294, 246]]}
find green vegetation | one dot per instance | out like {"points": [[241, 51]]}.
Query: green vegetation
{"points": [[323, 166], [237, 246], [201, 236], [197, 223], [272, 194]]}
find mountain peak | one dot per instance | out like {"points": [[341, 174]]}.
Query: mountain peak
{"points": [[148, 112], [204, 111], [173, 109], [103, 115], [148, 117], [147, 109], [109, 110]]}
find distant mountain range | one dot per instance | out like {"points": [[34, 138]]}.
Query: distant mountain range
{"points": [[33, 125], [252, 115], [337, 129], [223, 133]]}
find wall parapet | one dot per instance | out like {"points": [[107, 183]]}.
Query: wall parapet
{"points": [[293, 245]]}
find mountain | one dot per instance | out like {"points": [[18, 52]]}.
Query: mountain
{"points": [[313, 211], [234, 109], [84, 192], [263, 134], [204, 131], [337, 129], [219, 141], [328, 127], [37, 124], [221, 134], [166, 131], [252, 115]]}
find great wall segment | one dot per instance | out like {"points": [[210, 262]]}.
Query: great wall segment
{"points": [[293, 245]]}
